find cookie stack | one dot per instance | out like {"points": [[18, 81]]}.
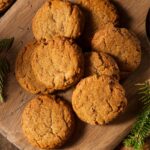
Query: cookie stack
{"points": [[55, 62]]}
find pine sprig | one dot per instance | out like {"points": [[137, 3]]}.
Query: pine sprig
{"points": [[144, 91], [141, 129], [4, 69], [5, 44]]}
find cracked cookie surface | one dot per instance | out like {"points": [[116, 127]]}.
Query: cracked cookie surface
{"points": [[47, 121], [58, 63], [98, 100], [100, 64], [23, 70], [97, 13], [4, 4], [58, 18], [121, 44]]}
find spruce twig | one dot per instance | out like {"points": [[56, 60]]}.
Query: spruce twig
{"points": [[4, 69], [141, 129], [5, 44]]}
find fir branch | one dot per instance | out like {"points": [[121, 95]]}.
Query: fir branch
{"points": [[4, 69], [6, 44], [144, 91], [141, 129]]}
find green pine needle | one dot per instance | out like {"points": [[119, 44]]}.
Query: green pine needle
{"points": [[141, 129], [5, 44], [4, 69]]}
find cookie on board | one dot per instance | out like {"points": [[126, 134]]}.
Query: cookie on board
{"points": [[23, 70], [58, 63], [4, 4], [47, 122], [121, 44], [58, 18], [97, 13], [100, 64], [98, 100]]}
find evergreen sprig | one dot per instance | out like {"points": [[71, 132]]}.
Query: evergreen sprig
{"points": [[144, 91], [4, 69], [5, 44], [141, 129]]}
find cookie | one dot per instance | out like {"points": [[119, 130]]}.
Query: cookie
{"points": [[58, 18], [58, 63], [97, 13], [4, 4], [100, 64], [23, 70], [98, 100], [121, 44], [47, 122]]}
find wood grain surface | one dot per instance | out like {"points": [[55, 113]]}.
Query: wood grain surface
{"points": [[17, 22]]}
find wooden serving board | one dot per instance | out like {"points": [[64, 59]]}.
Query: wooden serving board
{"points": [[17, 22]]}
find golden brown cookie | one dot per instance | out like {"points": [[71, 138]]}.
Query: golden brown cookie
{"points": [[100, 64], [58, 18], [4, 4], [97, 13], [23, 70], [58, 63], [47, 122], [121, 44], [98, 100]]}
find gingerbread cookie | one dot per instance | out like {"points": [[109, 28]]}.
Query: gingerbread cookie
{"points": [[97, 13], [23, 70], [58, 63], [47, 122], [121, 44], [58, 18], [100, 64], [98, 100], [4, 4]]}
